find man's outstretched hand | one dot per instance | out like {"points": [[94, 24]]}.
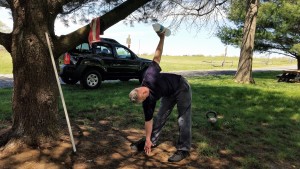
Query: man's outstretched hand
{"points": [[147, 147]]}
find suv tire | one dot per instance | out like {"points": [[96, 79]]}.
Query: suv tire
{"points": [[91, 79]]}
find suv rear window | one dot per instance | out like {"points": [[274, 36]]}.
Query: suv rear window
{"points": [[84, 47], [81, 49]]}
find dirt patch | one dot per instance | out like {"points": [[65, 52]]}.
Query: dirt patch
{"points": [[100, 145]]}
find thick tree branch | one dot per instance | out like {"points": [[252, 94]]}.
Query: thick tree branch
{"points": [[71, 40], [5, 40], [57, 6], [67, 42], [122, 11]]}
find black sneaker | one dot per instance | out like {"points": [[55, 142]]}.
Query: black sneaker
{"points": [[178, 156], [139, 145]]}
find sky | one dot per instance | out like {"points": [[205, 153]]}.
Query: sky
{"points": [[144, 39]]}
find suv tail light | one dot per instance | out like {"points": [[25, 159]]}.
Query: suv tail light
{"points": [[67, 59]]}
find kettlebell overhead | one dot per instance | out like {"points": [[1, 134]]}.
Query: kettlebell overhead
{"points": [[161, 29]]}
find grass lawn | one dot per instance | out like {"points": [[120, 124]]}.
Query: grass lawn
{"points": [[258, 125], [5, 62], [181, 63]]}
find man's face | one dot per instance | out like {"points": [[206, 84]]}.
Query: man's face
{"points": [[138, 95], [141, 95]]}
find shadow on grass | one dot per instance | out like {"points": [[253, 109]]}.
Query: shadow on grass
{"points": [[257, 127]]}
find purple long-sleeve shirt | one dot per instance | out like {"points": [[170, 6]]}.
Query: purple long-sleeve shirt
{"points": [[160, 85]]}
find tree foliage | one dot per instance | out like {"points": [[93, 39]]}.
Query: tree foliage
{"points": [[278, 27], [192, 13]]}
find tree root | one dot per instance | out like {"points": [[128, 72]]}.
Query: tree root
{"points": [[4, 136]]}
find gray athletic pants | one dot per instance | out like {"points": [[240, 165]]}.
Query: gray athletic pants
{"points": [[183, 99]]}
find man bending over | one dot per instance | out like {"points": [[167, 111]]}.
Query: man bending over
{"points": [[172, 89]]}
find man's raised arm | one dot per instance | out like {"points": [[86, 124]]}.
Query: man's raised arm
{"points": [[159, 49]]}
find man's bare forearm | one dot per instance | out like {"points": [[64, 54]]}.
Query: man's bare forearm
{"points": [[159, 49], [148, 129]]}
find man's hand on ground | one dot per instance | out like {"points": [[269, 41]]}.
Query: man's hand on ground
{"points": [[147, 147]]}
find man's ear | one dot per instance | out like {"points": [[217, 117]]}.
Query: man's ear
{"points": [[145, 92]]}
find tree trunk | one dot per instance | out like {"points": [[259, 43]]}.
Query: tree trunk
{"points": [[35, 101], [244, 71]]}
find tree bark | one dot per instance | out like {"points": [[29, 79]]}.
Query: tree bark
{"points": [[6, 40], [35, 94], [244, 71]]}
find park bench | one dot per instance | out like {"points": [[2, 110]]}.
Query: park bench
{"points": [[289, 76]]}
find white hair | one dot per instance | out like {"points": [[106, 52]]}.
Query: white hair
{"points": [[133, 96]]}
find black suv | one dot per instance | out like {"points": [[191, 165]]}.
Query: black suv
{"points": [[105, 60]]}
